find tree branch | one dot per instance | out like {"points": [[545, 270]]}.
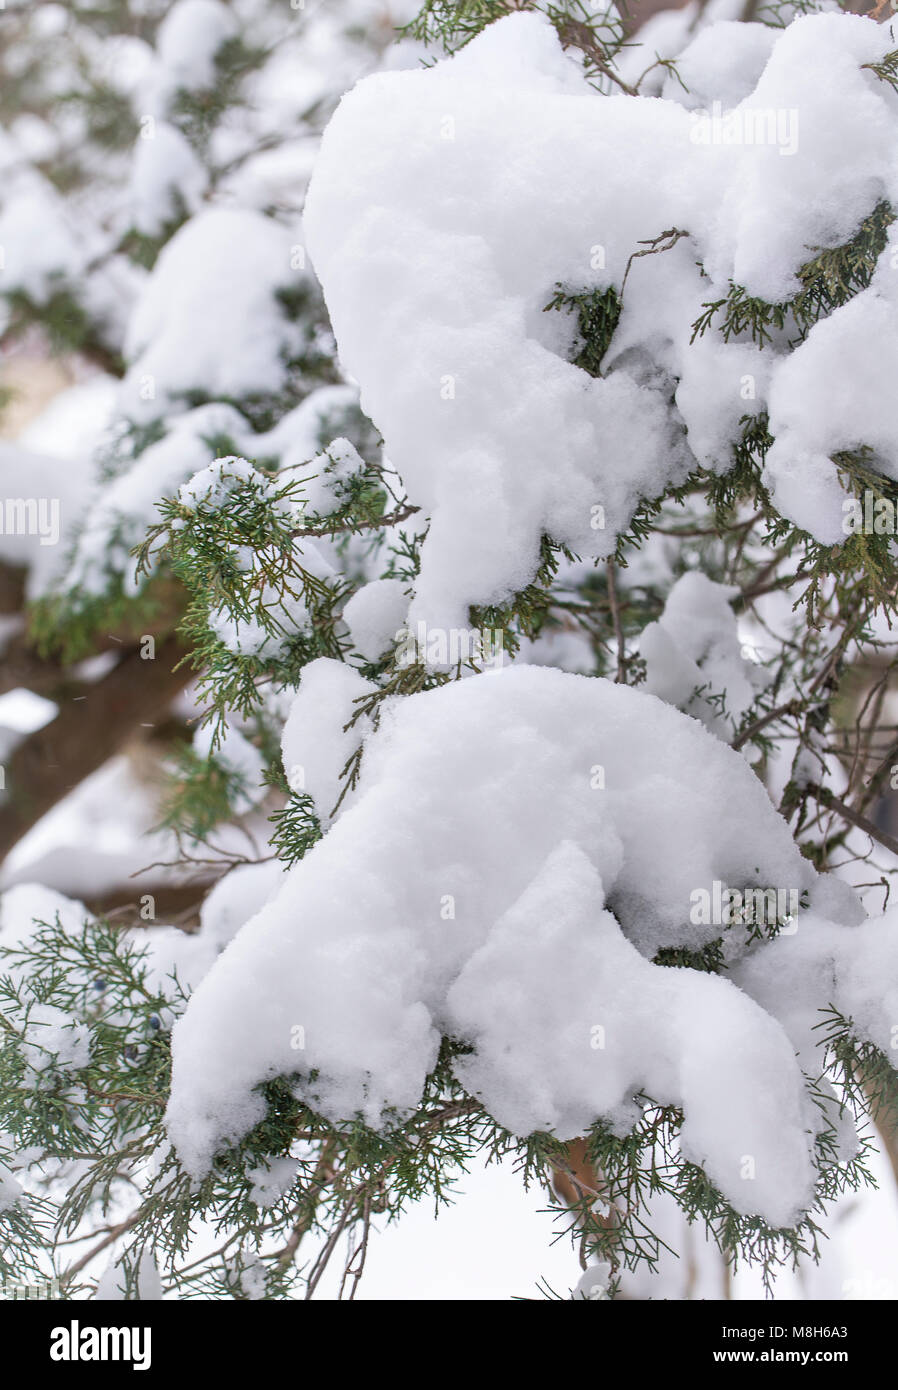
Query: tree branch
{"points": [[12, 588], [390, 519], [51, 762], [824, 797]]}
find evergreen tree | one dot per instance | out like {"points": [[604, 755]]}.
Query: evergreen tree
{"points": [[622, 922]]}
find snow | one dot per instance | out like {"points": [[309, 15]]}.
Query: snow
{"points": [[181, 463], [188, 39], [53, 498], [237, 897], [567, 648], [36, 537], [437, 262], [328, 475], [593, 1283], [207, 320], [94, 839], [723, 62], [23, 711], [53, 1042], [10, 1190], [72, 424], [513, 855], [855, 969], [374, 616], [121, 511], [845, 162], [271, 1180], [27, 903], [212, 487], [818, 408], [174, 960], [490, 862], [315, 744], [37, 265], [112, 1285], [165, 170], [533, 1068], [694, 647]]}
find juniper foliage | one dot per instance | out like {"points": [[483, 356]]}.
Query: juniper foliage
{"points": [[87, 1121]]}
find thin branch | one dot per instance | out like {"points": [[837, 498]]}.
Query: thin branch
{"points": [[792, 706], [351, 527], [621, 677], [831, 802]]}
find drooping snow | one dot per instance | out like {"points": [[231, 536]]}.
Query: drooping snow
{"points": [[187, 41], [818, 408], [693, 656], [208, 320], [437, 262], [855, 971], [374, 616], [316, 744], [166, 178], [506, 829]]}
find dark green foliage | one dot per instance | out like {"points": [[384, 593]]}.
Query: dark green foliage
{"points": [[197, 113], [67, 324], [72, 625], [206, 546], [832, 277], [887, 70], [110, 1110], [296, 828], [107, 114], [598, 313], [202, 793]]}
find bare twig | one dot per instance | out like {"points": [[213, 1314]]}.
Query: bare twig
{"points": [[828, 799]]}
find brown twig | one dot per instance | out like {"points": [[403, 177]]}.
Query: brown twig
{"points": [[390, 519], [621, 677], [824, 797]]}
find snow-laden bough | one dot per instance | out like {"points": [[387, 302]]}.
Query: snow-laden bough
{"points": [[520, 846], [448, 204]]}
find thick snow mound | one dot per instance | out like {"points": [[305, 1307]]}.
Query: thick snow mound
{"points": [[520, 845], [447, 204], [208, 319]]}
